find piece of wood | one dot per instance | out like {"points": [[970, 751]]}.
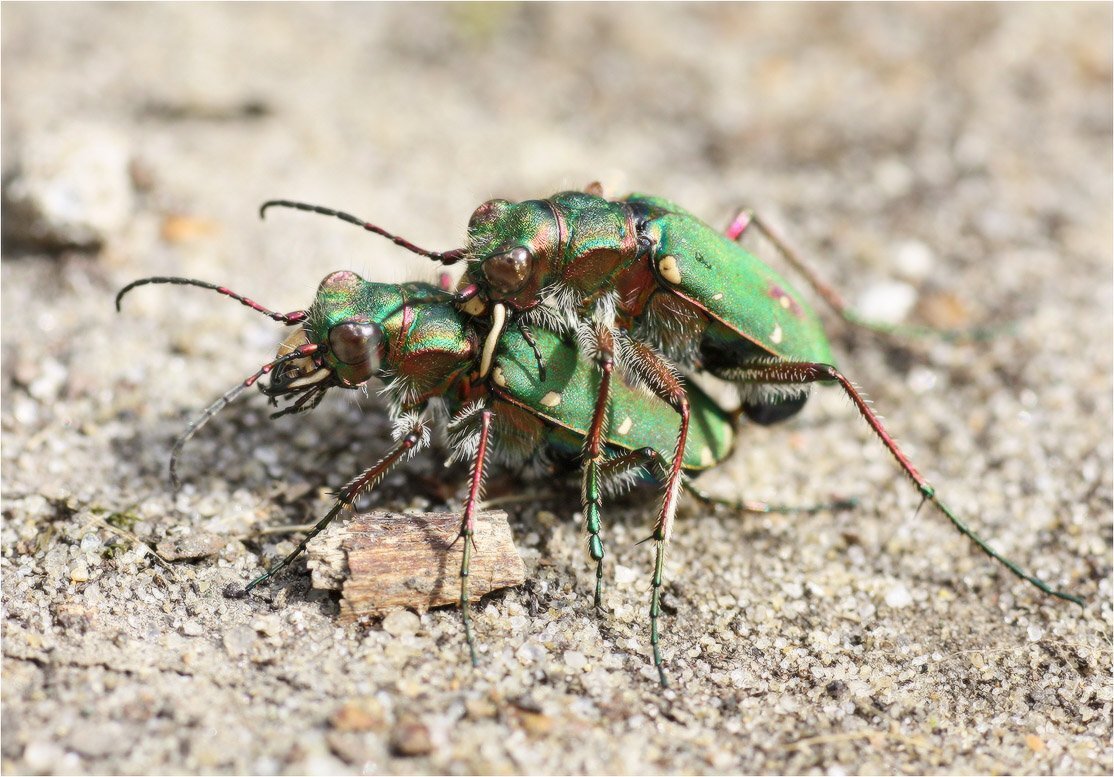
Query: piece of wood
{"points": [[382, 561]]}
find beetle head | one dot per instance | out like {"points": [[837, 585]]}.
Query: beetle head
{"points": [[512, 247], [348, 335]]}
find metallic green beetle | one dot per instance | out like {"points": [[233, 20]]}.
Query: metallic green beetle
{"points": [[649, 288], [646, 287], [413, 338]]}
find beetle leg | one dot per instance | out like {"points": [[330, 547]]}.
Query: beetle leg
{"points": [[412, 434], [467, 525], [302, 351], [660, 377], [591, 492], [528, 336], [798, 373], [746, 218]]}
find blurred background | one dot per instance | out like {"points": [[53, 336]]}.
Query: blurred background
{"points": [[939, 163]]}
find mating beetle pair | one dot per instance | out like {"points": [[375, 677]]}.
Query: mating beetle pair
{"points": [[568, 308]]}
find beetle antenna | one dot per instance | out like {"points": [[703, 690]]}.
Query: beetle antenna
{"points": [[290, 319], [444, 257], [224, 400]]}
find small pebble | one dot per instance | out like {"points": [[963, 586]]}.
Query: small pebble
{"points": [[80, 573], [238, 640], [887, 301], [358, 715], [192, 629], [49, 382], [320, 765], [97, 740], [410, 737], [41, 757], [574, 659], [190, 547], [915, 260], [899, 596], [401, 623], [479, 708], [536, 723], [269, 625], [73, 187]]}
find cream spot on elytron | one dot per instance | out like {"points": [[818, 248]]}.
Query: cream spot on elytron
{"points": [[669, 270], [786, 302], [775, 336], [718, 295], [498, 376], [625, 426], [552, 399], [707, 458]]}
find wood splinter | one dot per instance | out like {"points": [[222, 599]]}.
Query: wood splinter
{"points": [[383, 561]]}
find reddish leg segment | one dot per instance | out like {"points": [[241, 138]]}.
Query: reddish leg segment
{"points": [[467, 525], [798, 373], [409, 443], [664, 382], [591, 492], [747, 218]]}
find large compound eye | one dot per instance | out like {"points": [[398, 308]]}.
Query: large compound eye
{"points": [[508, 272], [355, 342]]}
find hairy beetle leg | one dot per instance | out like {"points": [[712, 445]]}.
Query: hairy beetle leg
{"points": [[798, 373], [409, 444], [660, 377], [467, 528], [591, 493]]}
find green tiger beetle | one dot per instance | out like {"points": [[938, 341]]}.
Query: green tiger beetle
{"points": [[413, 339], [683, 296], [640, 283]]}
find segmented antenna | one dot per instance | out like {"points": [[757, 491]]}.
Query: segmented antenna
{"points": [[444, 257], [290, 319], [224, 400]]}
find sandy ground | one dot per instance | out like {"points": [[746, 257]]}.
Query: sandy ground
{"points": [[947, 163]]}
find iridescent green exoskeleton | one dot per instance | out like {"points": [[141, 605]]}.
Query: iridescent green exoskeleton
{"points": [[413, 338], [650, 290], [646, 288]]}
